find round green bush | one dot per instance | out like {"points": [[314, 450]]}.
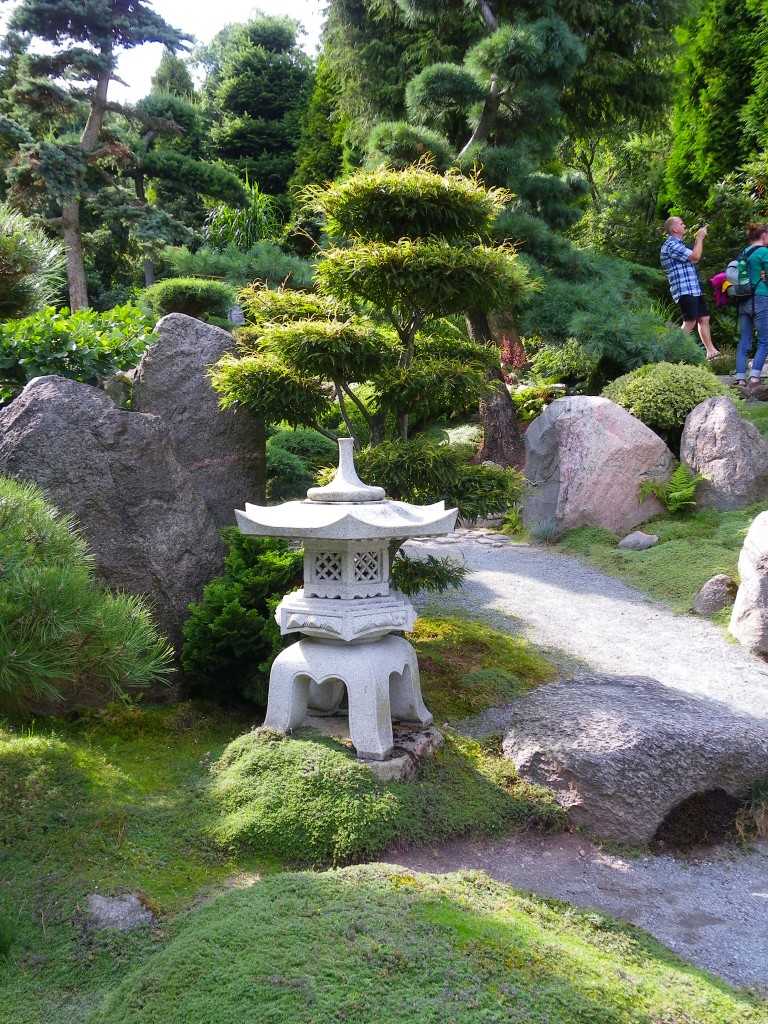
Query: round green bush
{"points": [[380, 944], [662, 394], [197, 297]]}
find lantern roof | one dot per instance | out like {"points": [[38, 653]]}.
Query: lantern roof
{"points": [[346, 509]]}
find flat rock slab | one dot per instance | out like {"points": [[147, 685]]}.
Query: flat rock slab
{"points": [[620, 752], [121, 912]]}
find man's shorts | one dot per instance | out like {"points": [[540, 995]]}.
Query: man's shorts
{"points": [[692, 307]]}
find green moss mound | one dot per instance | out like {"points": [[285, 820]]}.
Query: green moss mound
{"points": [[378, 944], [305, 800]]}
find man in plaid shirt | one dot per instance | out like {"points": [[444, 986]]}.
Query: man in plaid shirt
{"points": [[679, 263]]}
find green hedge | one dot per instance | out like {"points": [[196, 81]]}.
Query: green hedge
{"points": [[662, 394]]}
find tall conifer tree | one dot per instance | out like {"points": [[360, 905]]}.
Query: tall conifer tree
{"points": [[62, 104]]}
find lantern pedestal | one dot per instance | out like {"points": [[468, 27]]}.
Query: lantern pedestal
{"points": [[382, 682]]}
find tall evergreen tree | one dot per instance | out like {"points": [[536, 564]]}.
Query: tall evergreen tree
{"points": [[61, 104], [172, 76], [257, 88], [720, 115]]}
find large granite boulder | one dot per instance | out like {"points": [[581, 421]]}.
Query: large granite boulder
{"points": [[729, 451], [223, 450], [586, 458], [622, 751], [117, 472], [749, 618]]}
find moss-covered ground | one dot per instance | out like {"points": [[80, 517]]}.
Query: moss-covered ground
{"points": [[377, 945], [174, 802], [692, 547], [183, 803]]}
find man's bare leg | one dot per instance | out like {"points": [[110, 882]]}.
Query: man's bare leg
{"points": [[704, 334], [706, 337]]}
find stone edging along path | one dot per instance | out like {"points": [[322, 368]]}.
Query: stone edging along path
{"points": [[711, 908]]}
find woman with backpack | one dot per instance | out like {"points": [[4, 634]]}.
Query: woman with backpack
{"points": [[753, 311]]}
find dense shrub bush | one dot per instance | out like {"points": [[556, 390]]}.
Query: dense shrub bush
{"points": [[198, 297], [231, 637], [288, 476], [662, 394], [422, 471], [293, 459], [61, 635], [85, 346]]}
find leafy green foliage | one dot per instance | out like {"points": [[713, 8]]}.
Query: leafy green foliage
{"points": [[293, 459], [60, 105], [61, 635], [662, 394], [31, 266], [677, 493], [427, 278], [723, 43], [398, 144], [422, 471], [85, 346], [230, 637], [379, 943], [267, 387], [193, 296], [257, 88], [256, 220]]}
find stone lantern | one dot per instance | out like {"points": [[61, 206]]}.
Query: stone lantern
{"points": [[347, 611]]}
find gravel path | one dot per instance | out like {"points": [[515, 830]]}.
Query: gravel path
{"points": [[711, 908]]}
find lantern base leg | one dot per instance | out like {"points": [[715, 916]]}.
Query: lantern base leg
{"points": [[382, 681]]}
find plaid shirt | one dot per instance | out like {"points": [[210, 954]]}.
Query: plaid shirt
{"points": [[683, 279]]}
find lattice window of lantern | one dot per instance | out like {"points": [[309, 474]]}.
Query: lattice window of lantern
{"points": [[327, 567], [367, 566]]}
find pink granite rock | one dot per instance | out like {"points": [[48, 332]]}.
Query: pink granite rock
{"points": [[586, 459]]}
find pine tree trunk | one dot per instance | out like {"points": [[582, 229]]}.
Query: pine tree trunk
{"points": [[70, 230], [502, 441]]}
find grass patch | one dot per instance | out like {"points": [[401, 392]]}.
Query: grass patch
{"points": [[692, 548], [304, 800], [755, 412], [467, 667], [377, 944]]}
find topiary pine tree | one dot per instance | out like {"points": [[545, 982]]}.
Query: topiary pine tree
{"points": [[414, 250], [164, 156], [62, 106]]}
